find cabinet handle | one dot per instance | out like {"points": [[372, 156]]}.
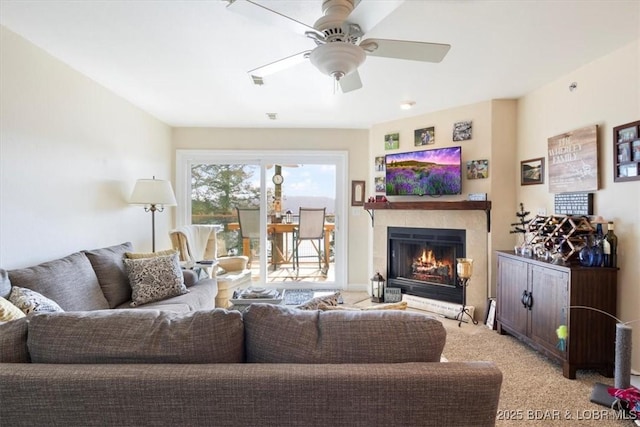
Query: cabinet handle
{"points": [[525, 298], [530, 300]]}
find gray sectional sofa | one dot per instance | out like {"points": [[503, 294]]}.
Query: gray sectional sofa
{"points": [[269, 366], [97, 280]]}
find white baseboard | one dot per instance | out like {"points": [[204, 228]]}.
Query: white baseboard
{"points": [[446, 309]]}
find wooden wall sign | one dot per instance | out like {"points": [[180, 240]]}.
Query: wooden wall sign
{"points": [[573, 161]]}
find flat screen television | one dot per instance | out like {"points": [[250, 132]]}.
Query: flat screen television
{"points": [[434, 172]]}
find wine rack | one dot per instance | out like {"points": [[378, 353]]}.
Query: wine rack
{"points": [[562, 233]]}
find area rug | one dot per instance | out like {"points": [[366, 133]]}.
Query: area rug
{"points": [[300, 296]]}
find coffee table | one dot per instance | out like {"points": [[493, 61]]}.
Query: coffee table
{"points": [[241, 304]]}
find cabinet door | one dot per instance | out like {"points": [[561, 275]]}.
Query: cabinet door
{"points": [[548, 308], [511, 284]]}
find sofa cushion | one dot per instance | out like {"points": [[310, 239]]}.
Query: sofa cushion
{"points": [[317, 302], [13, 341], [154, 279], [31, 301], [5, 283], [137, 336], [278, 334], [201, 296], [8, 311], [138, 255], [69, 281], [108, 263]]}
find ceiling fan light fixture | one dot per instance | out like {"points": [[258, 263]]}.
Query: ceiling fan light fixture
{"points": [[337, 59]]}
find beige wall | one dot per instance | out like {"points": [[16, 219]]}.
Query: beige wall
{"points": [[354, 141], [608, 95], [70, 154]]}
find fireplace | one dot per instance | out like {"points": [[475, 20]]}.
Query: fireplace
{"points": [[422, 261]]}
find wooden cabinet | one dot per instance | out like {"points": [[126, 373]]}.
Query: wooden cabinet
{"points": [[535, 297]]}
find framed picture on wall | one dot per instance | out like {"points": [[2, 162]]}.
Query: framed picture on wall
{"points": [[392, 141], [477, 169], [380, 184], [462, 130], [532, 171], [379, 164], [424, 136], [357, 193]]}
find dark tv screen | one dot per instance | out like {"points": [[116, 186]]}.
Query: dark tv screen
{"points": [[434, 172]]}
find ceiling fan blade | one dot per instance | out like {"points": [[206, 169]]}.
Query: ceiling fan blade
{"points": [[350, 82], [402, 49], [280, 64], [268, 16]]}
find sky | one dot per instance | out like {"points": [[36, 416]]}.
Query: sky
{"points": [[309, 180]]}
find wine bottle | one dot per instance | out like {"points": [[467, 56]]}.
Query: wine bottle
{"points": [[610, 247], [597, 250]]}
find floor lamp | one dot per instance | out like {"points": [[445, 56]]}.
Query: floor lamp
{"points": [[154, 194]]}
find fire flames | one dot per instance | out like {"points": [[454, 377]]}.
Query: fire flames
{"points": [[427, 267]]}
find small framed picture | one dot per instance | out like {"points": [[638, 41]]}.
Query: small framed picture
{"points": [[477, 169], [490, 319], [424, 136], [635, 147], [379, 164], [532, 171], [462, 130], [380, 184], [624, 152], [357, 193], [627, 134], [629, 170], [392, 141]]}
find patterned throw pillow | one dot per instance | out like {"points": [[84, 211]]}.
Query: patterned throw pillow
{"points": [[154, 279], [31, 301], [9, 311], [317, 302]]}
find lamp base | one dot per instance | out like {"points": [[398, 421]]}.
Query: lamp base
{"points": [[601, 396], [460, 316]]}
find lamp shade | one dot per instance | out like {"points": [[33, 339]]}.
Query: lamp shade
{"points": [[153, 192]]}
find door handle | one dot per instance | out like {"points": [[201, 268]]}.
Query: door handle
{"points": [[530, 300], [524, 298]]}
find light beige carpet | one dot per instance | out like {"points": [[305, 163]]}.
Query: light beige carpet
{"points": [[534, 392], [533, 389]]}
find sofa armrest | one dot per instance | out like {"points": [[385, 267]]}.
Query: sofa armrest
{"points": [[416, 394]]}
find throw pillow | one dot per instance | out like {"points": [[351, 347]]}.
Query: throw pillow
{"points": [[112, 277], [315, 303], [402, 305], [155, 279], [30, 301], [138, 255], [9, 311]]}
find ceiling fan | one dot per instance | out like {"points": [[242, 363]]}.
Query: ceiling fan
{"points": [[339, 49]]}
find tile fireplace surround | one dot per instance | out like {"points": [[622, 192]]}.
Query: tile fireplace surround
{"points": [[473, 221]]}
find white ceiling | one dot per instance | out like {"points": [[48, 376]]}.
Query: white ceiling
{"points": [[186, 62]]}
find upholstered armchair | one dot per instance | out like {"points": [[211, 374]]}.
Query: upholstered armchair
{"points": [[200, 243]]}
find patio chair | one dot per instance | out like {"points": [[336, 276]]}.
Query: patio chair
{"points": [[249, 221], [310, 228]]}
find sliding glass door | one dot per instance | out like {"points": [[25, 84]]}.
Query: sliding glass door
{"points": [[273, 186]]}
